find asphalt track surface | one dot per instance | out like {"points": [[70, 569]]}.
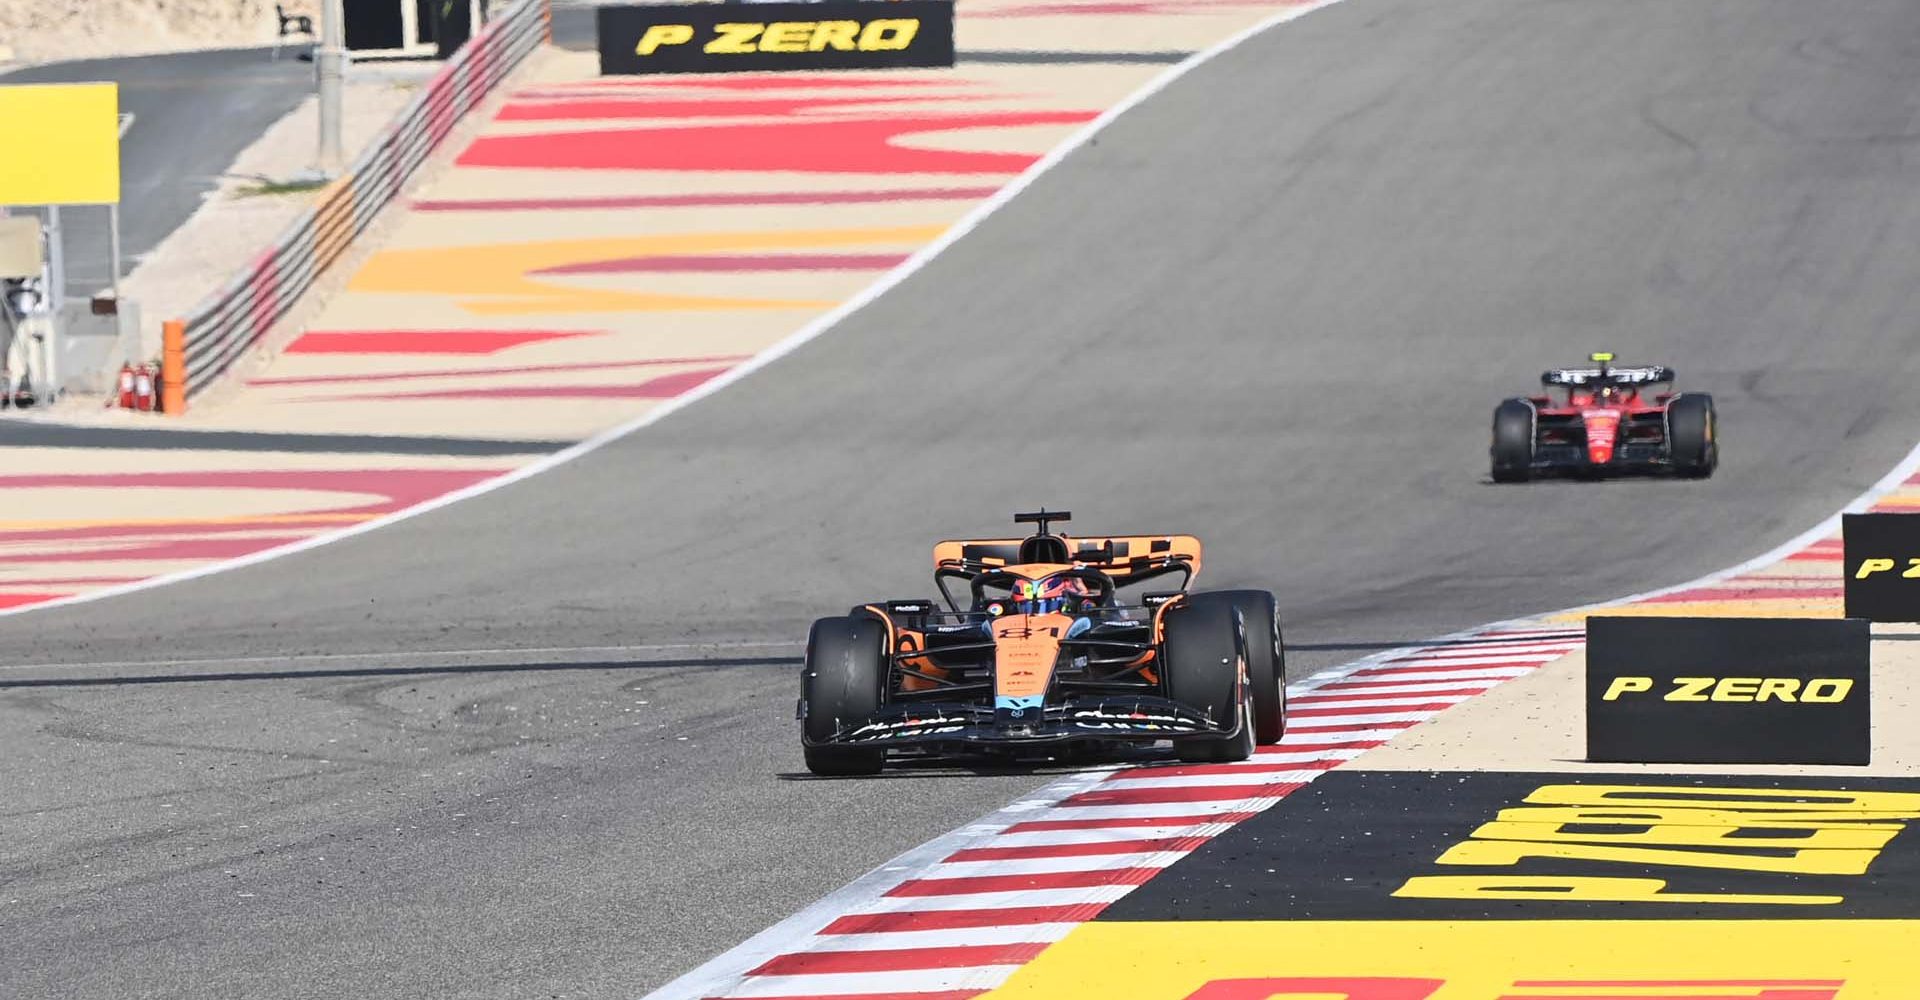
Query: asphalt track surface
{"points": [[194, 112], [36, 434], [1273, 305]]}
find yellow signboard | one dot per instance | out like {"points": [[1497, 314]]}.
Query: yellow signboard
{"points": [[66, 148], [1477, 960]]}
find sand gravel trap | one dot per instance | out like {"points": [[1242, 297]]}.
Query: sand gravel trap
{"points": [[49, 30], [236, 222]]}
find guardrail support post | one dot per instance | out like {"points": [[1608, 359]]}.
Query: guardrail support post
{"points": [[330, 60], [173, 368]]}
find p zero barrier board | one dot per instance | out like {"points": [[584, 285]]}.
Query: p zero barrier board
{"points": [[732, 38], [1882, 561], [1728, 690]]}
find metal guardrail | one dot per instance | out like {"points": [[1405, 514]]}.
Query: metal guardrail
{"points": [[221, 329]]}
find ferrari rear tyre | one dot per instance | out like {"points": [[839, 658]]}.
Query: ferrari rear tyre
{"points": [[1512, 441], [844, 681], [1266, 658], [1203, 648], [1691, 435]]}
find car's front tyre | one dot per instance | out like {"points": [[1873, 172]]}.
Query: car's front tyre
{"points": [[1266, 658], [1692, 435], [1203, 647], [1512, 450], [843, 682]]}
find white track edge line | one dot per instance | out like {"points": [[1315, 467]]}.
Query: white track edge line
{"points": [[780, 348]]}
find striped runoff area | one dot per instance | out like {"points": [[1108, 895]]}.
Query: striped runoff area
{"points": [[962, 925]]}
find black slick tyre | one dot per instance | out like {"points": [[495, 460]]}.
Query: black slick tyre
{"points": [[1692, 435], [844, 681], [1266, 658], [1203, 649], [1512, 450]]}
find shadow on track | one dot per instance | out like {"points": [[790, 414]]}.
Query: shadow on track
{"points": [[350, 672], [131, 680]]}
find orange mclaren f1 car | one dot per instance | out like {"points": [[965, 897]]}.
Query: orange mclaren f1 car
{"points": [[1038, 655]]}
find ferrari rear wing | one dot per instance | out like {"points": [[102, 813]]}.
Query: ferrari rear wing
{"points": [[1647, 375]]}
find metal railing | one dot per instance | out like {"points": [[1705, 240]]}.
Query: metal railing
{"points": [[221, 329]]}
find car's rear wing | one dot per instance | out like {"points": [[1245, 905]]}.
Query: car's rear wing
{"points": [[1647, 375], [1119, 556]]}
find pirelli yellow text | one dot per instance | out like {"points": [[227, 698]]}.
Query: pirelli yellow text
{"points": [[1817, 691], [887, 34], [1869, 567], [1682, 828], [658, 35]]}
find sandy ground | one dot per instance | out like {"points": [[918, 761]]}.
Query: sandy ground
{"points": [[1538, 722], [48, 30], [239, 221]]}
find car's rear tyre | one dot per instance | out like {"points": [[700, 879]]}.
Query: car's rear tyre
{"points": [[1203, 649], [1266, 658], [1512, 441], [844, 680], [1691, 435]]}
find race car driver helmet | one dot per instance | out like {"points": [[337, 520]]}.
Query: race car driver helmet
{"points": [[1606, 394], [1059, 592]]}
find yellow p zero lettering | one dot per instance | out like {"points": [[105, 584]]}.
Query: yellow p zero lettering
{"points": [[1868, 567], [1736, 689], [1689, 688], [1866, 805], [1827, 690], [1626, 685], [1778, 687], [889, 34], [1569, 887], [835, 35], [734, 39], [1798, 820], [1700, 834], [1913, 569], [1494, 853], [658, 35], [787, 36]]}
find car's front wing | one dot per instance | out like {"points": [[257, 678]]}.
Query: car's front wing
{"points": [[1130, 718], [1628, 458]]}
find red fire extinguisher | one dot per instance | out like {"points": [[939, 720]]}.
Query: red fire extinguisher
{"points": [[126, 386], [143, 387]]}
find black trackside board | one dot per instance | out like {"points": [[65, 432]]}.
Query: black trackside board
{"points": [[1882, 562], [737, 38], [1728, 690], [1366, 845]]}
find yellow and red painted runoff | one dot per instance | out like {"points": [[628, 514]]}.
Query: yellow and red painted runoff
{"points": [[601, 249]]}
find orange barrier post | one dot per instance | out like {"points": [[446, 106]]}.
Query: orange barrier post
{"points": [[173, 367]]}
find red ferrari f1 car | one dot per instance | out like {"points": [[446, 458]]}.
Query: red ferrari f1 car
{"points": [[1606, 424], [1037, 656]]}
